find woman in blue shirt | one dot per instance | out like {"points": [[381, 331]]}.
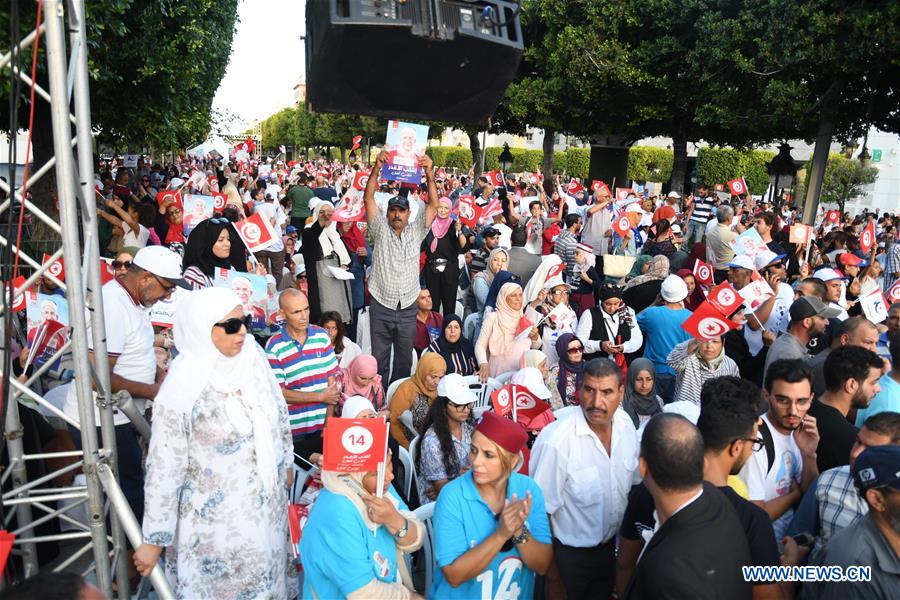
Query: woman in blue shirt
{"points": [[352, 544], [490, 525]]}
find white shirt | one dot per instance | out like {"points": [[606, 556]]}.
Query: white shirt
{"points": [[351, 351], [586, 323], [585, 489], [138, 240], [766, 486], [129, 335], [778, 320], [505, 235], [272, 211]]}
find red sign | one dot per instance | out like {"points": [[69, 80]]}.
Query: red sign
{"points": [[707, 323], [490, 209], [622, 225], [719, 187], [703, 272], [170, 196], [256, 232], [18, 303], [354, 445], [57, 269], [574, 187], [622, 193], [6, 543], [725, 298], [495, 177], [351, 208], [219, 201], [469, 212], [360, 180], [737, 186], [833, 216], [867, 238], [800, 234]]}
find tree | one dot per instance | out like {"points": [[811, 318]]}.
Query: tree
{"points": [[844, 180]]}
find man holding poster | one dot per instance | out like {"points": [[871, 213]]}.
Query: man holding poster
{"points": [[394, 281]]}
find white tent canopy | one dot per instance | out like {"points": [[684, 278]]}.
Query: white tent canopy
{"points": [[214, 144]]}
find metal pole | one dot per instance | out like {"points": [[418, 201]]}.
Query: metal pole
{"points": [[132, 528], [68, 218], [817, 172], [91, 266]]}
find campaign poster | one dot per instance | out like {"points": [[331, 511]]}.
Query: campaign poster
{"points": [[162, 313], [405, 143], [196, 208], [251, 289], [47, 326]]}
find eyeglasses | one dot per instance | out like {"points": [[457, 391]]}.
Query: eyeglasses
{"points": [[459, 406], [121, 264], [758, 443], [233, 325], [168, 289], [560, 292], [175, 211], [575, 350]]}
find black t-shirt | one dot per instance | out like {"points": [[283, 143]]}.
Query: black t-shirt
{"points": [[836, 436], [755, 521]]}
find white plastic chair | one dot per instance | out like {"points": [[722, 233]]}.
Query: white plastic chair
{"points": [[425, 514], [407, 419], [482, 390], [413, 454], [300, 477], [391, 389], [409, 472], [503, 378]]}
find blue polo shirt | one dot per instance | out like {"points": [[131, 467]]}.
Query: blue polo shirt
{"points": [[662, 332], [887, 400], [462, 520], [339, 553]]}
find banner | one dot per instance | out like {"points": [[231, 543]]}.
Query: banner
{"points": [[469, 212], [707, 323], [833, 217], [405, 143], [703, 272], [354, 445], [893, 293], [196, 208], [47, 318], [350, 208], [874, 306], [801, 234], [256, 232], [867, 238], [495, 177], [599, 185], [490, 209], [749, 243], [253, 292], [724, 298], [162, 313], [756, 292], [622, 193]]}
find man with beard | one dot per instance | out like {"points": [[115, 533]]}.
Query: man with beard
{"points": [[586, 462], [874, 540], [809, 318], [777, 478], [851, 381]]}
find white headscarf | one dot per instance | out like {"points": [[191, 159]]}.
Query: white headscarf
{"points": [[200, 364], [539, 280], [330, 239]]}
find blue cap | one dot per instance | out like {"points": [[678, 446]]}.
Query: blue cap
{"points": [[291, 229], [877, 466]]}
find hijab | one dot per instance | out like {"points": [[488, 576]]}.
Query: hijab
{"points": [[503, 334], [567, 365], [542, 276], [657, 270], [487, 274], [439, 226], [458, 355], [429, 364], [353, 238], [638, 405], [356, 405], [199, 365], [198, 252], [533, 358], [363, 365], [696, 297], [637, 269], [501, 279], [330, 240]]}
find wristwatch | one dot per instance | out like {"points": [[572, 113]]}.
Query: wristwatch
{"points": [[522, 537], [404, 530]]}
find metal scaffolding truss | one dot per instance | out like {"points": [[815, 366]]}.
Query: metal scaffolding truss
{"points": [[32, 503]]}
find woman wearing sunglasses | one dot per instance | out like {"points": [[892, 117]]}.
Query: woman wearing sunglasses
{"points": [[444, 453], [219, 462], [491, 532], [570, 370]]}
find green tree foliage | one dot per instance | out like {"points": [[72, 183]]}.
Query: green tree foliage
{"points": [[719, 165], [844, 180], [578, 162], [451, 157], [648, 163]]}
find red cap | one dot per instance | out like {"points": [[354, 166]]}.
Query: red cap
{"points": [[504, 432], [848, 259]]}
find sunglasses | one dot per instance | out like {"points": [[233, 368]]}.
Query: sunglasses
{"points": [[233, 325], [575, 350], [220, 221], [121, 264]]}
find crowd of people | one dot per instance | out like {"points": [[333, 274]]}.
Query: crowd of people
{"points": [[669, 457]]}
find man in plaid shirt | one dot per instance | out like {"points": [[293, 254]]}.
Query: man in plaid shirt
{"points": [[833, 502]]}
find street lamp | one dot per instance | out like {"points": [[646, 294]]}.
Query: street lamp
{"points": [[506, 158], [782, 170]]}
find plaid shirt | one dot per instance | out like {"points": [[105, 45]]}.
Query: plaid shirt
{"points": [[892, 265], [395, 260], [839, 503], [303, 367]]}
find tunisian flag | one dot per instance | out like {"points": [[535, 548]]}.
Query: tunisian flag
{"points": [[256, 232]]}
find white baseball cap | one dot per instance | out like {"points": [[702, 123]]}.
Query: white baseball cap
{"points": [[766, 258], [531, 379], [674, 289], [454, 387], [635, 207], [676, 228], [742, 261], [828, 274], [163, 263], [673, 194]]}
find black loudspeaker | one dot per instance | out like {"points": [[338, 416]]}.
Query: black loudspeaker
{"points": [[440, 60]]}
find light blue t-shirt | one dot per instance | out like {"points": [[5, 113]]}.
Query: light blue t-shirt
{"points": [[339, 553], [662, 332], [887, 400], [462, 520]]}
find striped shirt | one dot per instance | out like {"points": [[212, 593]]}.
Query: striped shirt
{"points": [[303, 367], [892, 265], [703, 209], [691, 372], [197, 278], [395, 260], [564, 247]]}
